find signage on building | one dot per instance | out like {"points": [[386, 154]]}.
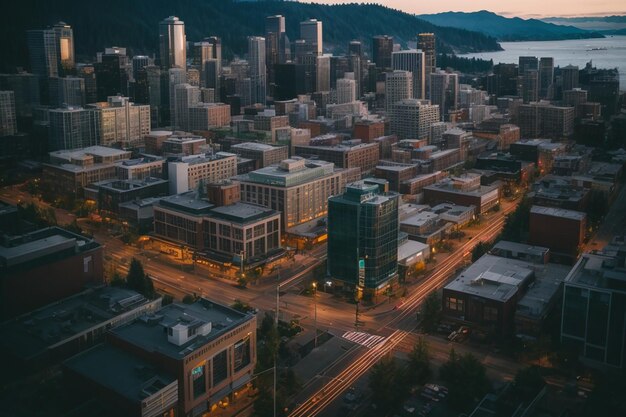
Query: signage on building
{"points": [[361, 272]]}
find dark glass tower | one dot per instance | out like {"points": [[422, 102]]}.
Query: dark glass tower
{"points": [[363, 225]]}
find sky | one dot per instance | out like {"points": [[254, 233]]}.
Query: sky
{"points": [[519, 8]]}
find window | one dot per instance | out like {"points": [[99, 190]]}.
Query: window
{"points": [[490, 314], [198, 381], [242, 354], [454, 304], [220, 367]]}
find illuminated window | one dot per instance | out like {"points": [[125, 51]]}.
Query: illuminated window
{"points": [[454, 304], [198, 381]]}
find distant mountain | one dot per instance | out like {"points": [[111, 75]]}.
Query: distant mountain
{"points": [[602, 24], [134, 24], [508, 29]]}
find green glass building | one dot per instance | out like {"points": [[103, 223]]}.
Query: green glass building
{"points": [[363, 225]]}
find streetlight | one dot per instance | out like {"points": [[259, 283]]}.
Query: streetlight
{"points": [[315, 314]]}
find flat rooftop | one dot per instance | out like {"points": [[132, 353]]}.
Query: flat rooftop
{"points": [[149, 332], [598, 271], [493, 277], [126, 374], [255, 146], [187, 202], [103, 151], [558, 212], [537, 300], [242, 212], [515, 249], [33, 333]]}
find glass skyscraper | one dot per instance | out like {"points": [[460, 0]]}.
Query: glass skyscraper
{"points": [[363, 226]]}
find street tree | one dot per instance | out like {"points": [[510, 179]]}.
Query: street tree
{"points": [[466, 380], [419, 371], [387, 382], [430, 312]]}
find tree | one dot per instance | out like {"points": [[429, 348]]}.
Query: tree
{"points": [[479, 250], [138, 280], [188, 299], [419, 371], [387, 382], [431, 312], [117, 280], [466, 380]]}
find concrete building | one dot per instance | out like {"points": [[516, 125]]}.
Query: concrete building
{"points": [[545, 120], [186, 172], [41, 337], [413, 61], [208, 349], [346, 90], [205, 116], [72, 128], [412, 118], [109, 194], [464, 190], [66, 91], [594, 307], [444, 92], [185, 97], [311, 34], [297, 188], [175, 144], [382, 48], [367, 130], [121, 123], [258, 70], [264, 155], [8, 118], [563, 231], [26, 92], [426, 43], [44, 266], [364, 156], [398, 86]]}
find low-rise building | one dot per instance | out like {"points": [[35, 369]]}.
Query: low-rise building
{"points": [[346, 155], [264, 155], [563, 231], [204, 116], [464, 190], [182, 144], [44, 266], [109, 194]]}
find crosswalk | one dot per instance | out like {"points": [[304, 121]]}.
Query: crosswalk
{"points": [[362, 338]]}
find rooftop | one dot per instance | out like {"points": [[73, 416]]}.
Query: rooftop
{"points": [[187, 202], [242, 212], [254, 146], [32, 334], [290, 172], [150, 332], [102, 151], [598, 271], [557, 212], [124, 373]]}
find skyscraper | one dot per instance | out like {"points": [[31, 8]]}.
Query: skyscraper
{"points": [[172, 43], [546, 77], [212, 71], [398, 86], [258, 71], [71, 128], [569, 76], [346, 91], [529, 86], [67, 91], [276, 44], [65, 44], [426, 42], [444, 91], [382, 47], [355, 48], [412, 118], [176, 76], [139, 63], [311, 34], [363, 236], [8, 118], [412, 61], [322, 73], [111, 73], [43, 52], [185, 96], [528, 63]]}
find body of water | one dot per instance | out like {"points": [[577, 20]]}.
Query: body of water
{"points": [[609, 52]]}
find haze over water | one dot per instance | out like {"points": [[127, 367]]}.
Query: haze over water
{"points": [[576, 52]]}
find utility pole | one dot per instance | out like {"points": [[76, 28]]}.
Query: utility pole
{"points": [[315, 309]]}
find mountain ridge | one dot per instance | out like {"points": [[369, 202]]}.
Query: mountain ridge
{"points": [[508, 29]]}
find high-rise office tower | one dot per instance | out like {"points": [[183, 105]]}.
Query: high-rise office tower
{"points": [[202, 52], [505, 80], [8, 118], [43, 52], [65, 45], [156, 91], [140, 62], [426, 43], [120, 123], [111, 73], [258, 70], [382, 47], [355, 48], [88, 73], [346, 91], [413, 119], [412, 61], [529, 86], [67, 91], [71, 128], [355, 67], [569, 77], [363, 236], [285, 88], [444, 91], [185, 96], [176, 76], [546, 78], [528, 63], [172, 43], [213, 67], [25, 87], [311, 34], [398, 86], [322, 73]]}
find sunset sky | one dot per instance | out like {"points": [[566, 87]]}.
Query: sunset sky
{"points": [[520, 8]]}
